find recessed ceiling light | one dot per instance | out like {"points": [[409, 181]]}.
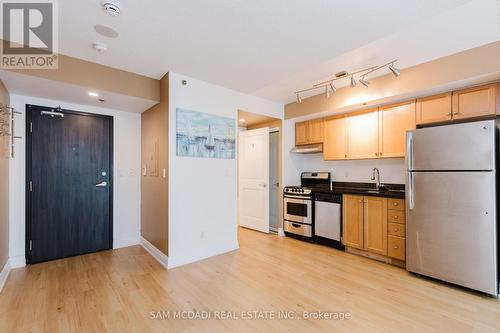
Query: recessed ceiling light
{"points": [[242, 120], [106, 31], [93, 94]]}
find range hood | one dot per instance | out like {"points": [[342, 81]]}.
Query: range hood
{"points": [[308, 149]]}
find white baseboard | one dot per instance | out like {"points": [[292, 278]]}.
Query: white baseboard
{"points": [[281, 233], [154, 252], [4, 274], [16, 262], [176, 261], [126, 241]]}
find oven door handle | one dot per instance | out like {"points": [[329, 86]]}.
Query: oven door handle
{"points": [[297, 197]]}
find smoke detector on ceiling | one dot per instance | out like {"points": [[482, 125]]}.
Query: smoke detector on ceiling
{"points": [[112, 7], [100, 47]]}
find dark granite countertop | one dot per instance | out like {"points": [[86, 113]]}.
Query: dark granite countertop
{"points": [[388, 190]]}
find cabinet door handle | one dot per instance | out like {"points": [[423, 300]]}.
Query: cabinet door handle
{"points": [[395, 217], [396, 247], [395, 204], [376, 154]]}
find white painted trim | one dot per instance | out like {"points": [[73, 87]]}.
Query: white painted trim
{"points": [[127, 241], [154, 252], [4, 274], [281, 233], [175, 262], [16, 262]]}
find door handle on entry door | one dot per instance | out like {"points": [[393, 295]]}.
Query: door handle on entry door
{"points": [[102, 184]]}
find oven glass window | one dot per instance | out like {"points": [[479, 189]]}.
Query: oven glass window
{"points": [[296, 209]]}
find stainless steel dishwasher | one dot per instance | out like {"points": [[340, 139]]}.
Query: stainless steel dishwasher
{"points": [[328, 219]]}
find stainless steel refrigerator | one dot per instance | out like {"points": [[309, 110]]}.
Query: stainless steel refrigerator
{"points": [[451, 200]]}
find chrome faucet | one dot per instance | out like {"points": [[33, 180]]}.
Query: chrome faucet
{"points": [[376, 177]]}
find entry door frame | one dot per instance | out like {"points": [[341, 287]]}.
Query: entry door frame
{"points": [[28, 199]]}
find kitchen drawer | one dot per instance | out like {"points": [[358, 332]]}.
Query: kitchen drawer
{"points": [[396, 216], [396, 204], [298, 228], [396, 229], [396, 247]]}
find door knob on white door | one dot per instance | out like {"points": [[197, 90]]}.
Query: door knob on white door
{"points": [[263, 185], [102, 184]]}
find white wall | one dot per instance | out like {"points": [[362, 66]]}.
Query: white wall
{"points": [[391, 170], [202, 192], [126, 176]]}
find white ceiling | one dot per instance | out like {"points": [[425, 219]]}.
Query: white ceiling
{"points": [[270, 48], [59, 91]]}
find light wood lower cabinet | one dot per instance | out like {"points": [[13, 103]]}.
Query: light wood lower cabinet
{"points": [[365, 223], [352, 226], [376, 226], [396, 247]]}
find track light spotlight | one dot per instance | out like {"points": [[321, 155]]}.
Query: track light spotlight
{"points": [[327, 92], [299, 100], [332, 87], [364, 82], [396, 72], [353, 82]]}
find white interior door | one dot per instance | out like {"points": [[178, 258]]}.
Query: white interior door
{"points": [[253, 164]]}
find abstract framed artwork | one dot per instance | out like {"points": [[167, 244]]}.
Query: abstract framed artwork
{"points": [[205, 135]]}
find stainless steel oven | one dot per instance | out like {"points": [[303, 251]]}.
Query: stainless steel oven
{"points": [[297, 209]]}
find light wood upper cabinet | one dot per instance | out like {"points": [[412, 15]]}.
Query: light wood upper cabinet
{"points": [[375, 225], [308, 132], [301, 133], [474, 102], [434, 109], [316, 130], [362, 135], [394, 121], [335, 145], [352, 226]]}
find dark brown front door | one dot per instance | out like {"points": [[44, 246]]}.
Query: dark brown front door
{"points": [[69, 183]]}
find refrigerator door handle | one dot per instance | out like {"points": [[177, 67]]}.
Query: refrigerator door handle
{"points": [[409, 150], [411, 202]]}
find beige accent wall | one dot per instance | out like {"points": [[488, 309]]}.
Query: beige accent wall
{"points": [[276, 123], [473, 66], [4, 186], [154, 186], [99, 77]]}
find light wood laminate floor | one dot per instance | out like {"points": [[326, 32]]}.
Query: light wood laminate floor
{"points": [[116, 291]]}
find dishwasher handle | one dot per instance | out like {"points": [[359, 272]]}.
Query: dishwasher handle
{"points": [[328, 197]]}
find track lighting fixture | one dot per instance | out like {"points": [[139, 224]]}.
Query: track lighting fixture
{"points": [[362, 73], [353, 82], [364, 82], [396, 72], [299, 100]]}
